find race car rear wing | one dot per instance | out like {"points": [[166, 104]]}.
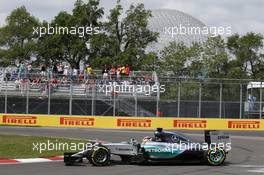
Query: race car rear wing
{"points": [[213, 136]]}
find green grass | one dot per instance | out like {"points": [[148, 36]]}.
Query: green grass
{"points": [[14, 146]]}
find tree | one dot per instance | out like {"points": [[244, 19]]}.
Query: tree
{"points": [[16, 37], [50, 48], [215, 58], [248, 52], [71, 47], [128, 37], [180, 60], [150, 62]]}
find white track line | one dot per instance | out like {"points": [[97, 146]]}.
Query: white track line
{"points": [[33, 160]]}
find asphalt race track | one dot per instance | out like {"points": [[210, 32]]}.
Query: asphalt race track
{"points": [[246, 157]]}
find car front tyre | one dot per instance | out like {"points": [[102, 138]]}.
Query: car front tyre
{"points": [[100, 156]]}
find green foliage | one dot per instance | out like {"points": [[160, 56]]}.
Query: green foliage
{"points": [[240, 57], [178, 58], [150, 62], [128, 37], [215, 57], [247, 51], [69, 47], [16, 39], [124, 39], [123, 42]]}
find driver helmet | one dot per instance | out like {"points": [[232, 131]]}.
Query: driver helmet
{"points": [[159, 135], [146, 139]]}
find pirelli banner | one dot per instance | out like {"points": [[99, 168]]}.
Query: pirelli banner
{"points": [[141, 123]]}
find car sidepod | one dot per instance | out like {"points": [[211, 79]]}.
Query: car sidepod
{"points": [[161, 150]]}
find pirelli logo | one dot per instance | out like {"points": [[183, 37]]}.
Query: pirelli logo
{"points": [[244, 124], [77, 121], [183, 124], [25, 120], [139, 123]]}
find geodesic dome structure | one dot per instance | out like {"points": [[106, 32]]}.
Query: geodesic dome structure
{"points": [[163, 19]]}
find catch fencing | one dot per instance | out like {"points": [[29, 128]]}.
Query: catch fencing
{"points": [[144, 94]]}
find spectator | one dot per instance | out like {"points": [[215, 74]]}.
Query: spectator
{"points": [[66, 70], [29, 71], [113, 71], [118, 72], [29, 67], [123, 70], [81, 77], [6, 75], [36, 82], [14, 75], [127, 69], [22, 71], [43, 87], [81, 67], [17, 84], [43, 70], [89, 71], [64, 80], [23, 85], [54, 84], [105, 72], [59, 68], [55, 69], [75, 74]]}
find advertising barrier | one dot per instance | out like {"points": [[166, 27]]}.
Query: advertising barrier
{"points": [[140, 123]]}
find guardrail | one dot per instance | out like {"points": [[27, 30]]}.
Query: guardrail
{"points": [[142, 123]]}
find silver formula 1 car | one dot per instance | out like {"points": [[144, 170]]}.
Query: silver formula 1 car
{"points": [[163, 147]]}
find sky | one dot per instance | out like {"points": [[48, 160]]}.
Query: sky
{"points": [[241, 15]]}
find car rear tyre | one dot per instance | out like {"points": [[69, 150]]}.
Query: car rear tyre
{"points": [[216, 157], [100, 156]]}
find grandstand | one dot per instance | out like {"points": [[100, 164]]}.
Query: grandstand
{"points": [[18, 96], [183, 97]]}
